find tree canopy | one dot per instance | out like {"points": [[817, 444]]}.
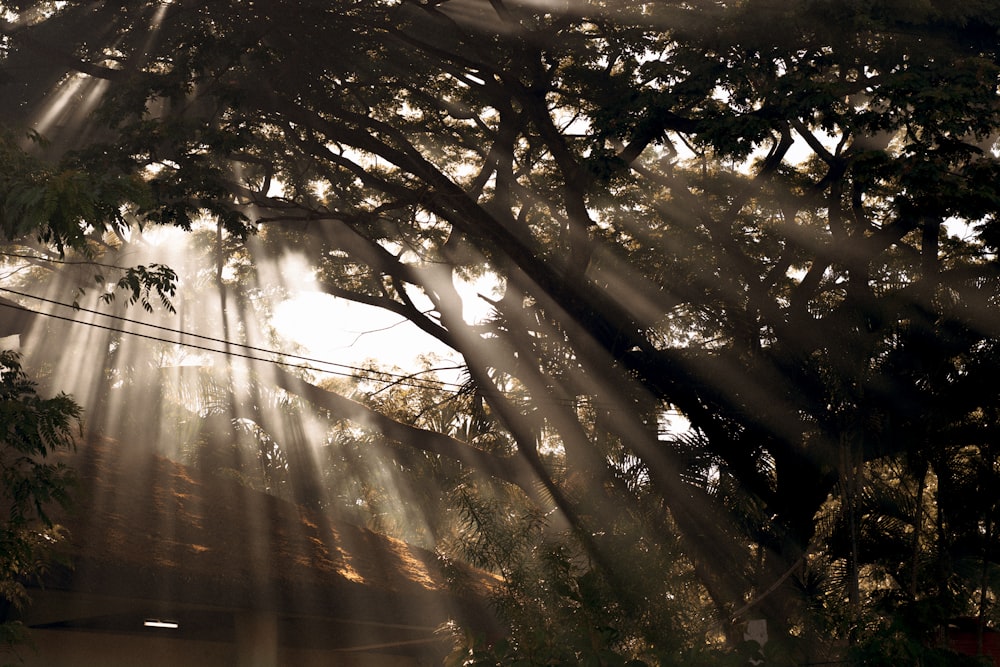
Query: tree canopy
{"points": [[745, 255]]}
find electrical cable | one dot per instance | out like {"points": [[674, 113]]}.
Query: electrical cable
{"points": [[354, 372]]}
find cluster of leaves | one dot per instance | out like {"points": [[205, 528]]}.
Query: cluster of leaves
{"points": [[139, 281], [31, 429], [61, 204], [69, 205]]}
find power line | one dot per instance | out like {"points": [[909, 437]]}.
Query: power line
{"points": [[355, 372]]}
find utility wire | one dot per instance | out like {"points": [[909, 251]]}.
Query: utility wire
{"points": [[355, 372]]}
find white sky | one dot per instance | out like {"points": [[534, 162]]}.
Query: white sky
{"points": [[340, 331], [344, 332]]}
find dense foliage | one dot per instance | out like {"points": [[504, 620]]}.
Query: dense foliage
{"points": [[740, 361], [31, 429]]}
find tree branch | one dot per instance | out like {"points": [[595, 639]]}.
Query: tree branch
{"points": [[513, 470]]}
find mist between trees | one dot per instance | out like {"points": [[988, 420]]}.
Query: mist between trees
{"points": [[740, 359]]}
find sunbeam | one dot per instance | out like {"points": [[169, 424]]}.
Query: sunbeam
{"points": [[652, 333], [217, 414]]}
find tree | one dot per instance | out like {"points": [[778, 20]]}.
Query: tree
{"points": [[688, 211], [33, 429]]}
